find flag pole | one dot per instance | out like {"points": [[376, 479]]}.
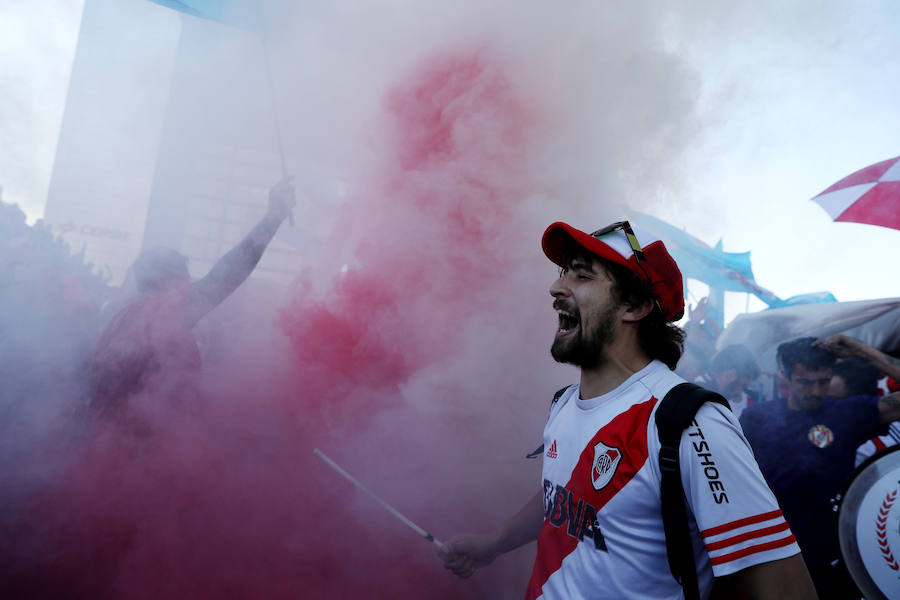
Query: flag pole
{"points": [[216, 13], [384, 504], [271, 83]]}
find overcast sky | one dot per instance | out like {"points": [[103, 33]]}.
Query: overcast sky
{"points": [[792, 97]]}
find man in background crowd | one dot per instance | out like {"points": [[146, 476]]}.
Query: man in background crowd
{"points": [[857, 374], [853, 376], [700, 334], [148, 345], [597, 517], [732, 372], [805, 445]]}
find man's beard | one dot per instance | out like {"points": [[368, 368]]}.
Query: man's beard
{"points": [[585, 348]]}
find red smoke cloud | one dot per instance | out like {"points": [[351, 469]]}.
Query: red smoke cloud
{"points": [[224, 498], [424, 230]]}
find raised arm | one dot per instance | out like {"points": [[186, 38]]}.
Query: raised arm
{"points": [[889, 408], [235, 266], [466, 553], [846, 346]]}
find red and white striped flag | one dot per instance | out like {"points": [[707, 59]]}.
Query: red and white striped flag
{"points": [[870, 195]]}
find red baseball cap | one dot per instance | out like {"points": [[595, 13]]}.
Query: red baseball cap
{"points": [[618, 243]]}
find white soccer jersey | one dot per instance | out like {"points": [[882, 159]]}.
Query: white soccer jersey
{"points": [[603, 536]]}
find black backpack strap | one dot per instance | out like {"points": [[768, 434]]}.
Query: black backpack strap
{"points": [[674, 414], [540, 450]]}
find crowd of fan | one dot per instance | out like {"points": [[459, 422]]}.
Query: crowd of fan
{"points": [[832, 405], [49, 310], [823, 416], [49, 319]]}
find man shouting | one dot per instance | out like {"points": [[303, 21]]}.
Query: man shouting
{"points": [[597, 518]]}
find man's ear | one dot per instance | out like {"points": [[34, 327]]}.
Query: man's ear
{"points": [[782, 373], [633, 314]]}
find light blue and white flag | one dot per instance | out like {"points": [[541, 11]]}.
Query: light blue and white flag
{"points": [[245, 14]]}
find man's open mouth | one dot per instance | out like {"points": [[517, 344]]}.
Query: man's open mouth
{"points": [[568, 322]]}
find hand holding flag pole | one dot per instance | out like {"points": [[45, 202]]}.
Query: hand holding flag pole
{"points": [[384, 504], [284, 173], [249, 16]]}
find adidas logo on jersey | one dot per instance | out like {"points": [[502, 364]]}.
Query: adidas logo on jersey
{"points": [[551, 452]]}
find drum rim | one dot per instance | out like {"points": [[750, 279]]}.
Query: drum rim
{"points": [[862, 467], [837, 522]]}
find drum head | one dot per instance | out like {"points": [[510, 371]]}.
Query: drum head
{"points": [[869, 525]]}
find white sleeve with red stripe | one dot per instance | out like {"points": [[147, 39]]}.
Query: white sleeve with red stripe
{"points": [[877, 444], [737, 515], [869, 448]]}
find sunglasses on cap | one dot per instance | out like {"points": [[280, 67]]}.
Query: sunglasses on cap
{"points": [[625, 226], [639, 257]]}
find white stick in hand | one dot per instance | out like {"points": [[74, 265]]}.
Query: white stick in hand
{"points": [[387, 506]]}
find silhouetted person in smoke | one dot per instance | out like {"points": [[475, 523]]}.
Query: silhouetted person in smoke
{"points": [[732, 371], [805, 445], [700, 334], [148, 345], [79, 535], [598, 517]]}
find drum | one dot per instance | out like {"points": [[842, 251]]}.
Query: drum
{"points": [[869, 525]]}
